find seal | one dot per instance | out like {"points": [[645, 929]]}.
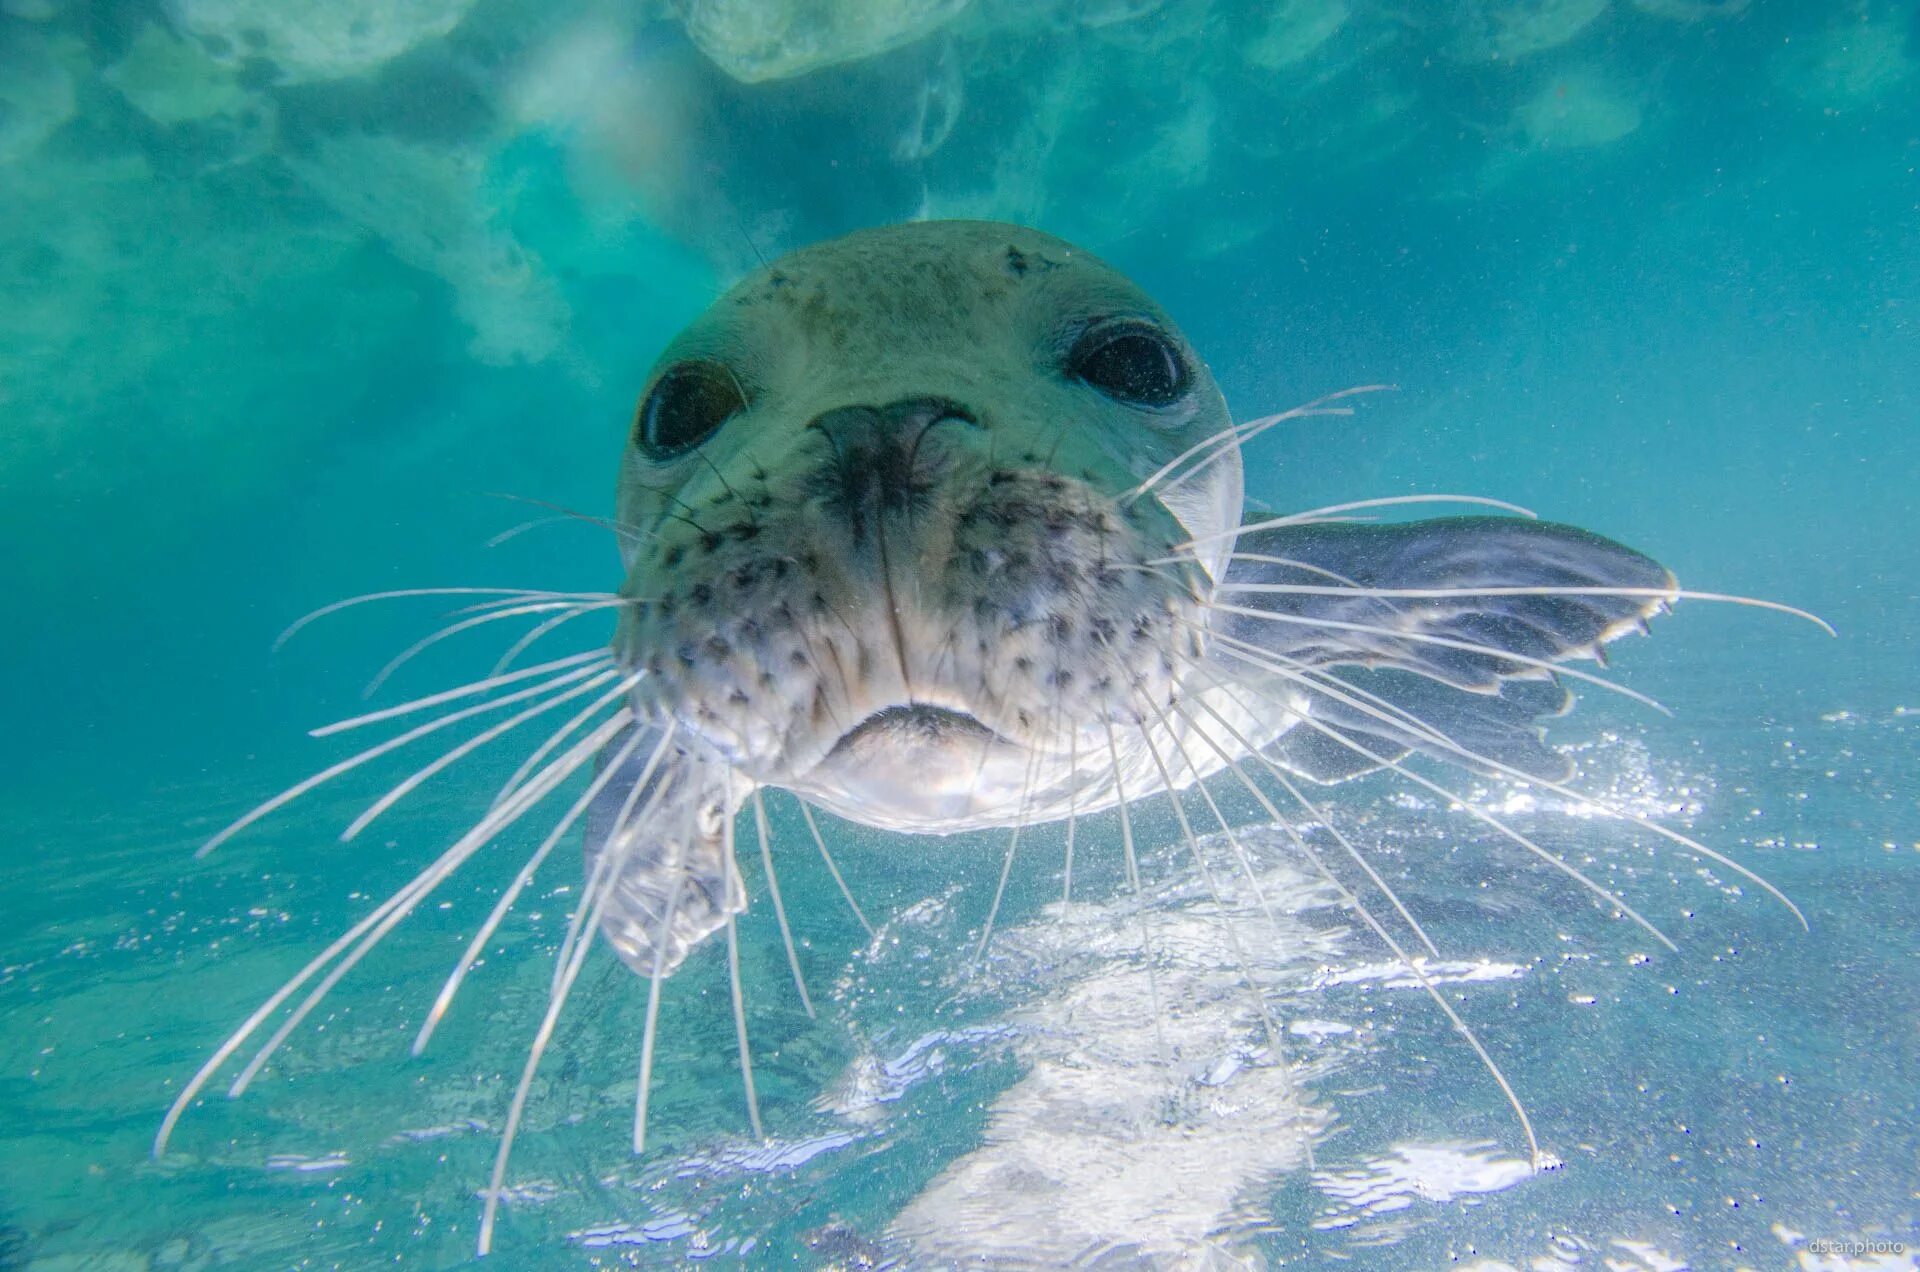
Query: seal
{"points": [[942, 527]]}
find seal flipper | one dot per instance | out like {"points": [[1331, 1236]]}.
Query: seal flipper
{"points": [[669, 852], [1469, 666]]}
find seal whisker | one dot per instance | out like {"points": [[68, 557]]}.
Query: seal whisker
{"points": [[503, 602], [234, 1041], [631, 534], [541, 630], [1006, 865], [1313, 515], [514, 532], [423, 886], [433, 638], [1466, 805], [819, 841], [1219, 815], [1222, 917], [1227, 439], [1359, 907], [779, 906], [1560, 788], [1187, 558], [391, 744], [650, 1031], [1443, 642], [1139, 894], [513, 595], [1320, 814], [512, 892], [1318, 408], [1437, 593], [559, 735], [1073, 787], [557, 1001], [421, 775], [733, 972], [625, 822], [461, 691]]}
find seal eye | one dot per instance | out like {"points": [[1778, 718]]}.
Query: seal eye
{"points": [[687, 406], [1130, 362]]}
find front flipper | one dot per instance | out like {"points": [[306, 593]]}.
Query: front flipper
{"points": [[663, 840], [1452, 623]]}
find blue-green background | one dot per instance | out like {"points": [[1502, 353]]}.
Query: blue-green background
{"points": [[1654, 269]]}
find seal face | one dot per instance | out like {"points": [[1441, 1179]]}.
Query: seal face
{"points": [[881, 556]]}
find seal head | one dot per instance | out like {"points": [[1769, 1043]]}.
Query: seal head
{"points": [[880, 544]]}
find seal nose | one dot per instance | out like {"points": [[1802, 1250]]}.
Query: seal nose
{"points": [[876, 459]]}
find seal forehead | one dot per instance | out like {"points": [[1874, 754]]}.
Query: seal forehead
{"points": [[925, 285]]}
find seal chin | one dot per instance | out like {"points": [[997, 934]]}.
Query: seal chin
{"points": [[922, 767]]}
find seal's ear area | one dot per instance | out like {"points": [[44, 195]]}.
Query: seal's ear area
{"points": [[1467, 601]]}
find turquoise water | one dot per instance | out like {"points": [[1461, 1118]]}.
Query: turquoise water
{"points": [[289, 300]]}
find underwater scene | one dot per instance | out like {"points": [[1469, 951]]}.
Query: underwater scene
{"points": [[1310, 664]]}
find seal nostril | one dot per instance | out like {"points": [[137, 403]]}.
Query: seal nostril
{"points": [[876, 453]]}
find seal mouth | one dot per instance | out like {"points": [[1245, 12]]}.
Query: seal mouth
{"points": [[911, 725]]}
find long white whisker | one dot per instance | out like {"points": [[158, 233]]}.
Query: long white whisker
{"points": [[1220, 907], [1470, 808], [779, 906], [1242, 433], [1006, 866], [463, 691], [453, 856], [433, 638], [391, 744], [620, 529], [1444, 642], [1236, 438], [1326, 684], [516, 1110], [525, 876], [1219, 816], [650, 1031], [304, 620], [514, 532], [1265, 559], [1073, 786], [1325, 819], [423, 886], [541, 630], [1366, 916], [1316, 408], [733, 975], [414, 780], [1139, 893], [819, 841], [1438, 593], [608, 861], [559, 735], [1283, 666], [1313, 515]]}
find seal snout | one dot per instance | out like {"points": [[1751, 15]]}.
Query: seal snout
{"points": [[876, 455]]}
